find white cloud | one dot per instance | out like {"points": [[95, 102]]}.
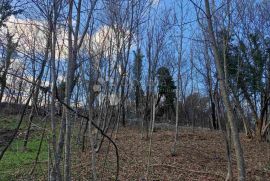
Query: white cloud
{"points": [[154, 2], [31, 35], [106, 40]]}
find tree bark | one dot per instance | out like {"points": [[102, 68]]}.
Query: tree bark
{"points": [[225, 97], [11, 46]]}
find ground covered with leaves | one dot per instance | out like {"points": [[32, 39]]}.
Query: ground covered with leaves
{"points": [[200, 156]]}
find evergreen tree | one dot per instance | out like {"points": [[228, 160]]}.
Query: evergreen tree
{"points": [[248, 74], [166, 88], [137, 71]]}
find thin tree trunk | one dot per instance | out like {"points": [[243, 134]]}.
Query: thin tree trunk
{"points": [[243, 117], [10, 50], [40, 146], [92, 143], [176, 123], [36, 91], [150, 141], [178, 83], [18, 126], [69, 81], [225, 97], [229, 152]]}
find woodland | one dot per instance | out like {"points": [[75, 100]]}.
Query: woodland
{"points": [[135, 90]]}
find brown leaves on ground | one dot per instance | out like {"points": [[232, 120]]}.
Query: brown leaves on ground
{"points": [[200, 156]]}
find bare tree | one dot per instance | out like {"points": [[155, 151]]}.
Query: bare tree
{"points": [[10, 50], [225, 92], [75, 41], [180, 23]]}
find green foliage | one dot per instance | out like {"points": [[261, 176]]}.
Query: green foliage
{"points": [[11, 122], [137, 68], [137, 72], [8, 122], [61, 88], [166, 86], [247, 62]]}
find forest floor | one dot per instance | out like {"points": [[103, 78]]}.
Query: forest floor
{"points": [[200, 156]]}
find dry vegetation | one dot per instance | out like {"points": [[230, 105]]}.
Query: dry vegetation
{"points": [[200, 156], [70, 70]]}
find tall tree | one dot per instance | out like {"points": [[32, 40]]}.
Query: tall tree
{"points": [[222, 72], [166, 89], [137, 71], [247, 67], [9, 53], [7, 10], [76, 35]]}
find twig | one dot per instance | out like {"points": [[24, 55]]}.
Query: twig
{"points": [[98, 128], [39, 148], [17, 128], [71, 109]]}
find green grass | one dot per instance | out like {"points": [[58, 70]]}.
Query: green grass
{"points": [[17, 163], [8, 122], [11, 121]]}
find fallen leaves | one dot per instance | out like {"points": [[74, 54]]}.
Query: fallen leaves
{"points": [[200, 156]]}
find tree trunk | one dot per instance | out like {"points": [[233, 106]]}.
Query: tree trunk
{"points": [[225, 97], [10, 50], [229, 152], [152, 125], [36, 90], [258, 129], [243, 117], [92, 142], [71, 67]]}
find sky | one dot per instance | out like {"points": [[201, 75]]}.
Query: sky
{"points": [[157, 13]]}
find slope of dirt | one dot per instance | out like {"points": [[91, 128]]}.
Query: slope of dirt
{"points": [[200, 156]]}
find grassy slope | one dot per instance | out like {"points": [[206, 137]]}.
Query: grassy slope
{"points": [[17, 163]]}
